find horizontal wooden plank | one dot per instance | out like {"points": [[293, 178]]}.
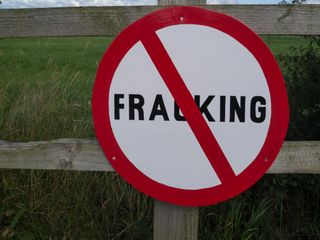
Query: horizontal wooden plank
{"points": [[61, 154], [82, 154], [298, 157], [108, 21]]}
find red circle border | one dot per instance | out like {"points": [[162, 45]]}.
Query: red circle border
{"points": [[279, 105]]}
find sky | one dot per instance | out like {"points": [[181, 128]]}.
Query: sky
{"points": [[77, 3]]}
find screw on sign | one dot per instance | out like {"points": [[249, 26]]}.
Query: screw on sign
{"points": [[189, 106]]}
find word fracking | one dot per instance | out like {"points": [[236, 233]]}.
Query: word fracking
{"points": [[133, 107]]}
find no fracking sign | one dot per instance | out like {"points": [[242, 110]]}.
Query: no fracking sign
{"points": [[189, 106]]}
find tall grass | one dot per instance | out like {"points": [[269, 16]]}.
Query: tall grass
{"points": [[71, 205], [45, 87], [277, 207], [42, 110]]}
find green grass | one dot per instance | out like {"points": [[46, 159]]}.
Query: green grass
{"points": [[46, 84], [71, 205], [45, 87], [282, 44], [33, 60], [45, 93]]}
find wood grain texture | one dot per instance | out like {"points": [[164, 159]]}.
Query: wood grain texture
{"points": [[298, 157], [109, 21], [62, 154], [86, 155], [173, 222]]}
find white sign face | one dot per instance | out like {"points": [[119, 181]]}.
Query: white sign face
{"points": [[215, 68], [190, 106]]}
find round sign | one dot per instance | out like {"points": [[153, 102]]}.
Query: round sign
{"points": [[189, 106]]}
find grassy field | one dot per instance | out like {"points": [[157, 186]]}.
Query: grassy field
{"points": [[45, 93], [46, 85]]}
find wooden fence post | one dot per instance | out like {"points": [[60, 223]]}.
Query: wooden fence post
{"points": [[173, 222]]}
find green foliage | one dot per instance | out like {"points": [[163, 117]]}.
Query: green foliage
{"points": [[302, 75], [71, 205], [277, 207], [88, 205]]}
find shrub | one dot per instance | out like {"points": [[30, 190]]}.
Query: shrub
{"points": [[301, 68]]}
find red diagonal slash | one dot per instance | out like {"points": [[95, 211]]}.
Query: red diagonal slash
{"points": [[191, 112]]}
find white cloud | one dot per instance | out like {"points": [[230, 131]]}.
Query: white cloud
{"points": [[312, 2]]}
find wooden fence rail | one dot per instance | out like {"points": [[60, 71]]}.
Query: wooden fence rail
{"points": [[109, 21], [86, 155]]}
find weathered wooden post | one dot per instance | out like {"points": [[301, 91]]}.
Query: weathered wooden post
{"points": [[173, 222]]}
